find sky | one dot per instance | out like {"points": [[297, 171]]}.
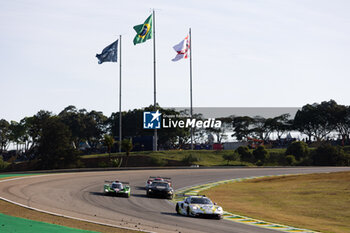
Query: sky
{"points": [[246, 53]]}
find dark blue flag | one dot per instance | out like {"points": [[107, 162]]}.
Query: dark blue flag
{"points": [[109, 54]]}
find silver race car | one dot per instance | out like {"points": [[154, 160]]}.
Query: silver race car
{"points": [[199, 206]]}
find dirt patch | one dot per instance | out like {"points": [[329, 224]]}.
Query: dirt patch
{"points": [[18, 211]]}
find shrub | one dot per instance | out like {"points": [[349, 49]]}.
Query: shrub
{"points": [[190, 159], [230, 157], [3, 164], [328, 155], [116, 162], [259, 163], [290, 160], [299, 149], [102, 164], [158, 161], [80, 164], [276, 158], [261, 154], [245, 154]]}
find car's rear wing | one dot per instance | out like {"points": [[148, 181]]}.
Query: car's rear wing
{"points": [[165, 178], [118, 181], [185, 195]]}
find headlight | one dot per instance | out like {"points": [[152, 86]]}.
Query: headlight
{"points": [[149, 190], [195, 208], [219, 208], [106, 190], [170, 191]]}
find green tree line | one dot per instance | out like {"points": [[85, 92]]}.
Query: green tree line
{"points": [[54, 138]]}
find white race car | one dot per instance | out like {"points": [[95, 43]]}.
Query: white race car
{"points": [[199, 206]]}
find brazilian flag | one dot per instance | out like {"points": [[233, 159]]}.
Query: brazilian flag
{"points": [[144, 31]]}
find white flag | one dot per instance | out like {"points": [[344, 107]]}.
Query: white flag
{"points": [[182, 49]]}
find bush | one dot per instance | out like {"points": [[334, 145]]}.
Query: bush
{"points": [[102, 164], [190, 159], [261, 154], [80, 164], [305, 161], [116, 162], [276, 158], [346, 149], [299, 149], [230, 157], [3, 164], [290, 160], [328, 155], [259, 163], [158, 161], [245, 154]]}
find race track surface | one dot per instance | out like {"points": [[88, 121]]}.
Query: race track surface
{"points": [[80, 195]]}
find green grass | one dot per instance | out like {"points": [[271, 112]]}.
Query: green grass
{"points": [[12, 224], [205, 157], [315, 201]]}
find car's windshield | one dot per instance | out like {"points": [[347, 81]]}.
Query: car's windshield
{"points": [[117, 186], [159, 184], [201, 201]]}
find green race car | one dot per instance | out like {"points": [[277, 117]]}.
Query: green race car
{"points": [[117, 188]]}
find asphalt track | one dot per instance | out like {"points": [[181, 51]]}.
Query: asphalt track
{"points": [[80, 195]]}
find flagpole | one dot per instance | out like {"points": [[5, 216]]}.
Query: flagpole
{"points": [[154, 77], [191, 110], [120, 93]]}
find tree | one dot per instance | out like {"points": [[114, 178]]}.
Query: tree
{"points": [[245, 154], [171, 138], [35, 125], [221, 133], [132, 126], [96, 126], [279, 124], [74, 120], [199, 134], [4, 134], [17, 132], [328, 155], [108, 141], [299, 149], [85, 126], [256, 127], [316, 120], [261, 154], [131, 123], [242, 127], [341, 117], [127, 147], [26, 139], [55, 149], [260, 129]]}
